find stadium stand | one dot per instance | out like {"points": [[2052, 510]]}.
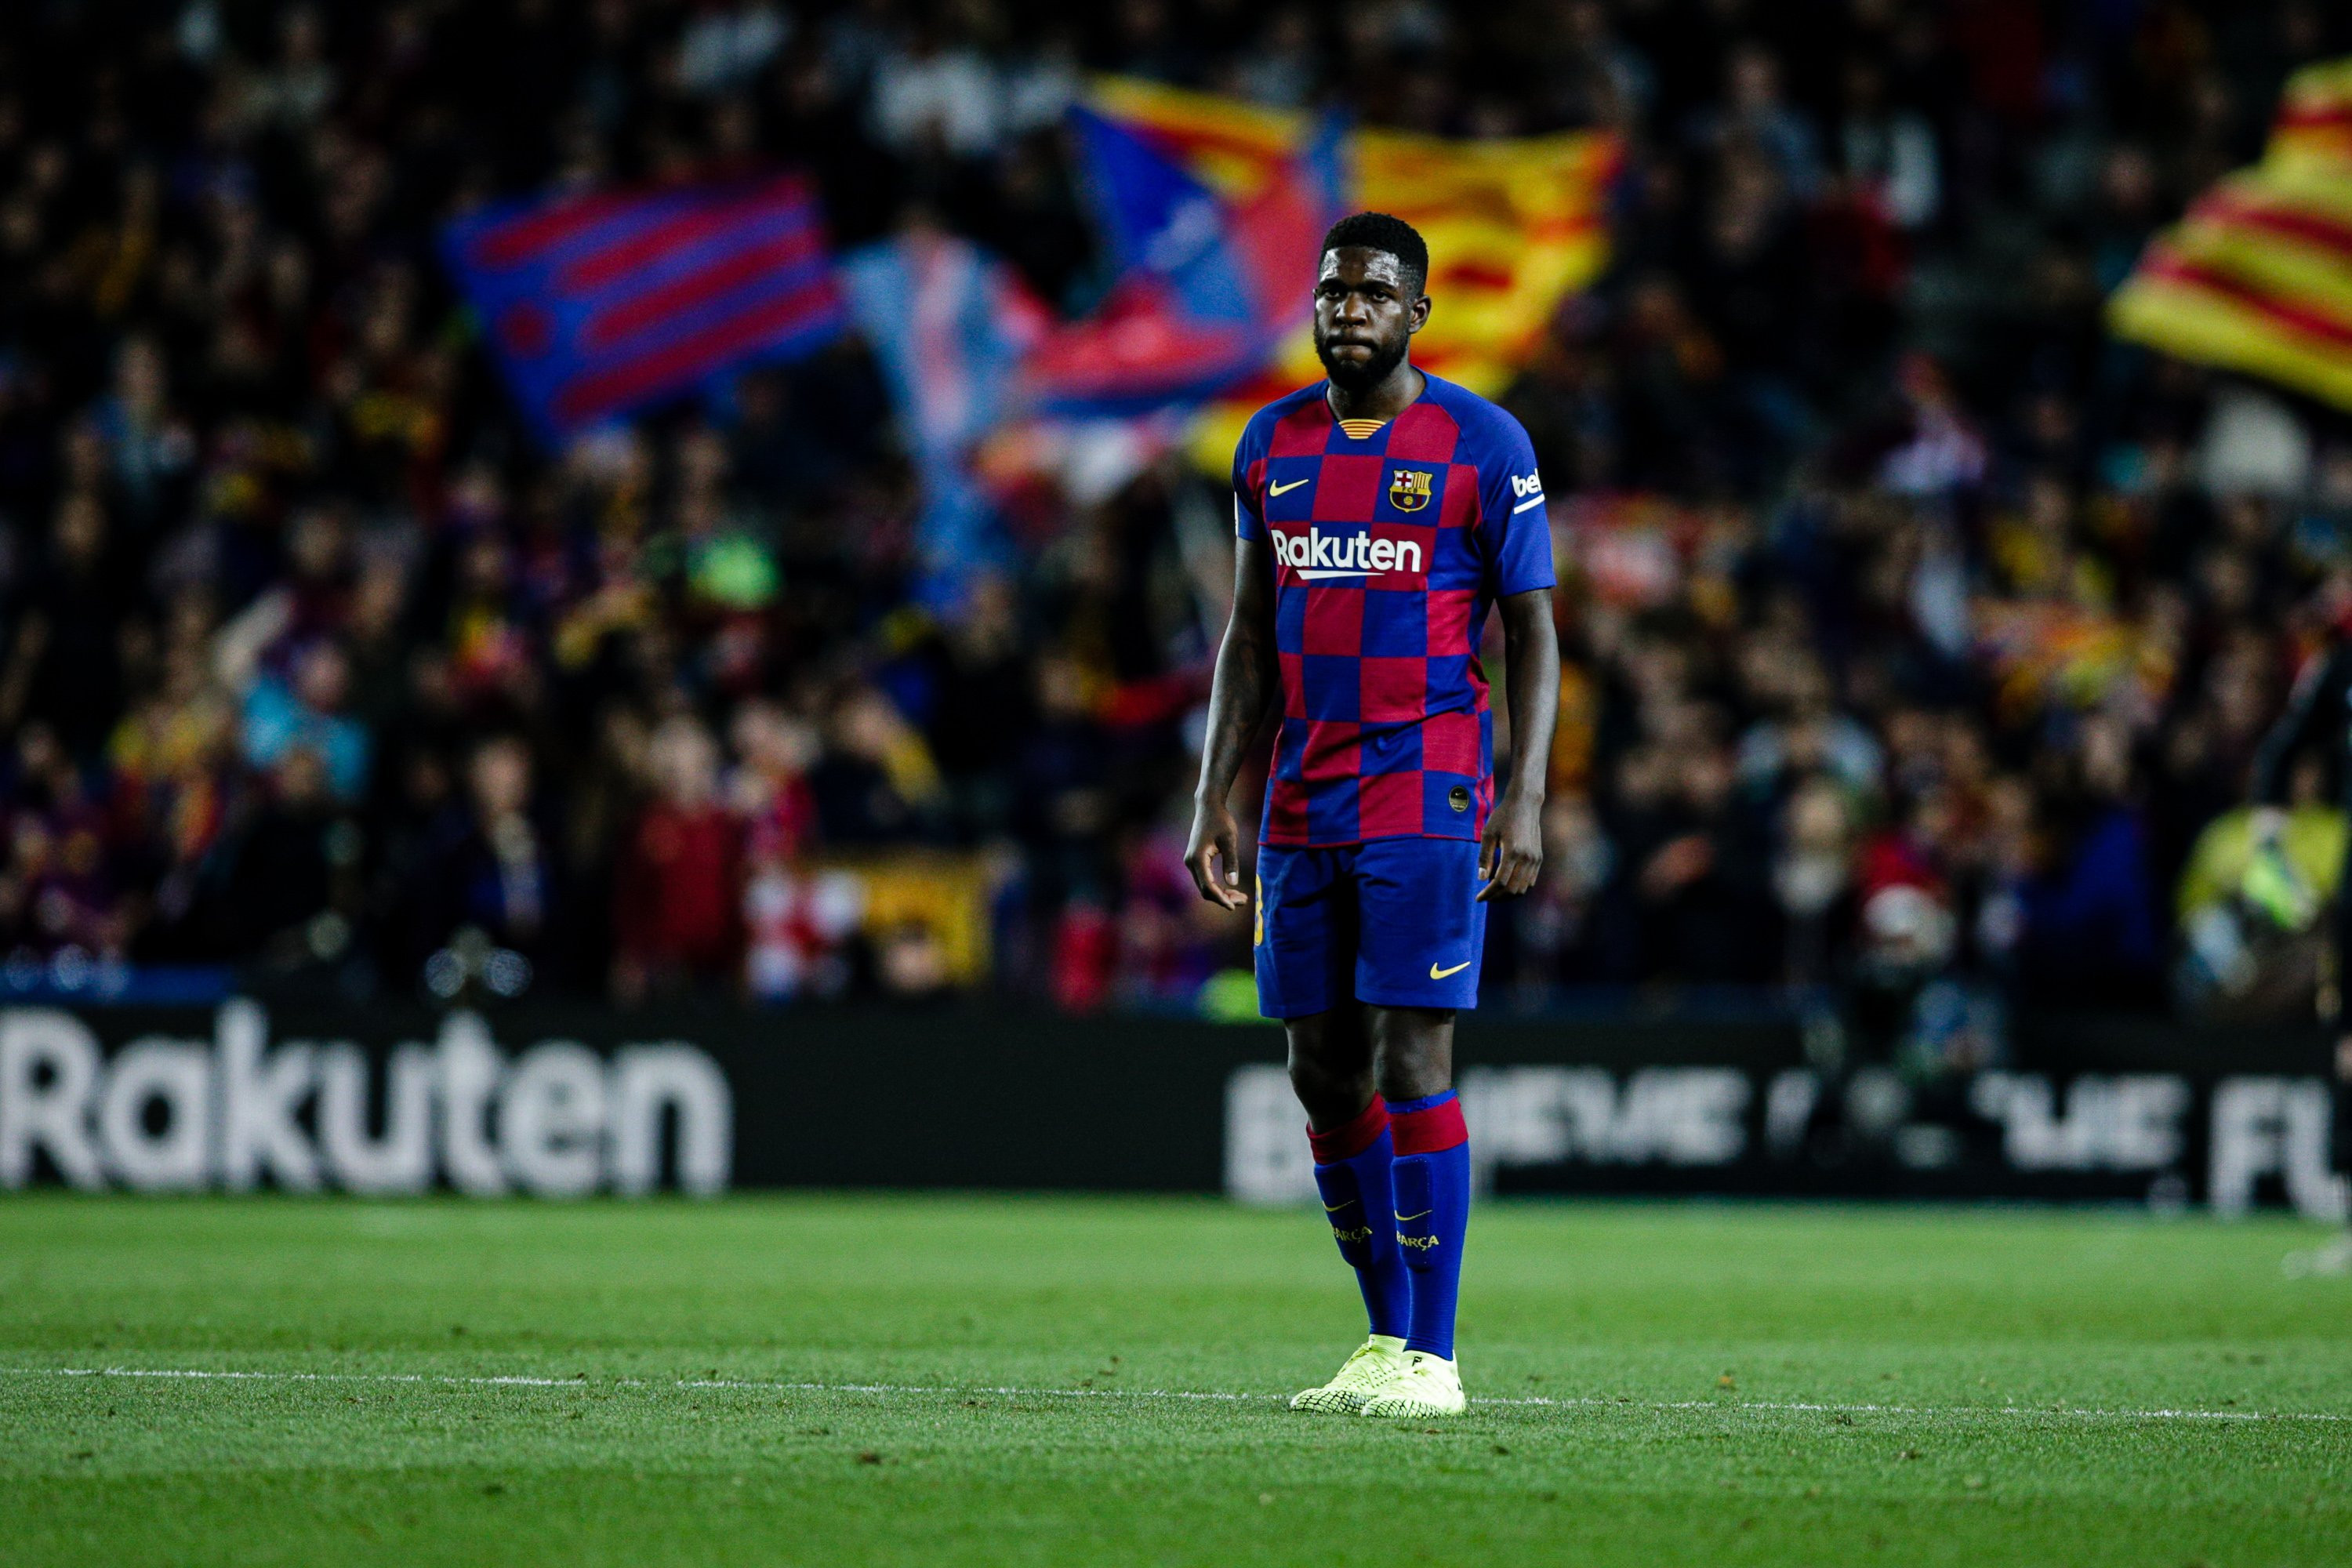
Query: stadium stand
{"points": [[1917, 629]]}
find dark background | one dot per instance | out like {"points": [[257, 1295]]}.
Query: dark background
{"points": [[314, 672]]}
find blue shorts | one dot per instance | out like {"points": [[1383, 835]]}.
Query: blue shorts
{"points": [[1395, 923]]}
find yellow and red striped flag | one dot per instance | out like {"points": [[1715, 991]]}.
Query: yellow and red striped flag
{"points": [[2257, 276], [1514, 226], [2315, 117]]}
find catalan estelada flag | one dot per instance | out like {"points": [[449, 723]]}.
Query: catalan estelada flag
{"points": [[599, 302], [1513, 227], [2257, 276], [1208, 281]]}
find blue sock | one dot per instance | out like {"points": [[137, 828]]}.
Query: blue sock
{"points": [[1351, 1171], [1431, 1178]]}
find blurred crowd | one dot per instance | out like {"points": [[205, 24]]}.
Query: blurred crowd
{"points": [[1916, 630]]}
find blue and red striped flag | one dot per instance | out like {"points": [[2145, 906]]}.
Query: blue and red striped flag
{"points": [[597, 303]]}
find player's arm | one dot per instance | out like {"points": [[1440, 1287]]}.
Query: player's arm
{"points": [[1247, 676], [1512, 851]]}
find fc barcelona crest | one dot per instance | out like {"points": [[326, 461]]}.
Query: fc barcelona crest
{"points": [[1409, 489]]}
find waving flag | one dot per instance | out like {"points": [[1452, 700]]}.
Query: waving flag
{"points": [[1208, 281], [2257, 276], [1513, 227], [1161, 222], [948, 324], [2315, 118], [597, 303]]}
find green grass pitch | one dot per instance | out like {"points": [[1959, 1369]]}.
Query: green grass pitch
{"points": [[967, 1380]]}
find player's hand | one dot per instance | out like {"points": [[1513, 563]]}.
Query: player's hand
{"points": [[1511, 851], [1214, 857]]}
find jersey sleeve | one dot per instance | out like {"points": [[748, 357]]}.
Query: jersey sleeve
{"points": [[1513, 534], [1249, 453]]}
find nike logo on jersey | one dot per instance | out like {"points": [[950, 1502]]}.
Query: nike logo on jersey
{"points": [[1284, 490], [1422, 1215], [1437, 973]]}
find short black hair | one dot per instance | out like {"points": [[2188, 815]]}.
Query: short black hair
{"points": [[1379, 231]]}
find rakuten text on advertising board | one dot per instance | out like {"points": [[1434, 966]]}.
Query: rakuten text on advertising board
{"points": [[167, 1113]]}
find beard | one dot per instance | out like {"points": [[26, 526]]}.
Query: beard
{"points": [[1360, 375]]}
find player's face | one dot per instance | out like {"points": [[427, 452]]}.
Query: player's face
{"points": [[1366, 312]]}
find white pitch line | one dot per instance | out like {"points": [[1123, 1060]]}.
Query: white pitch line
{"points": [[2079, 1413], [974, 1388]]}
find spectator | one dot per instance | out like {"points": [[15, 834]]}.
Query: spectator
{"points": [[1755, 116], [727, 45], [2091, 916], [305, 710], [288, 874], [59, 890], [1812, 878], [677, 899], [1916, 633], [64, 667], [878, 783], [495, 874], [798, 919], [937, 96]]}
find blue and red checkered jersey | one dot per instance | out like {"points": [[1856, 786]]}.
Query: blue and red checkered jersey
{"points": [[1389, 542]]}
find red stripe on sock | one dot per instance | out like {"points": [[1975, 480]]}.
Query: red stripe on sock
{"points": [[1427, 1131], [1346, 1142]]}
